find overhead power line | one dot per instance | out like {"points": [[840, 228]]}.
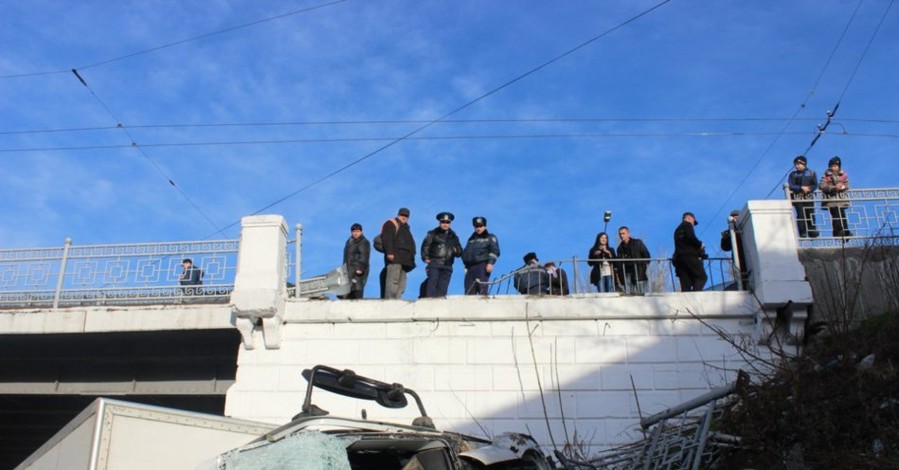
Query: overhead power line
{"points": [[580, 135], [134, 145], [458, 109], [176, 43], [353, 122], [801, 107]]}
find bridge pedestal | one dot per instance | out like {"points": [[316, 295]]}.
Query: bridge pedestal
{"points": [[260, 287]]}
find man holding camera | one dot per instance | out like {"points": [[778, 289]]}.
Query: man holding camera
{"points": [[688, 255]]}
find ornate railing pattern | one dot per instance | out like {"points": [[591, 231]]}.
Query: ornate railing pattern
{"points": [[872, 217], [144, 273]]}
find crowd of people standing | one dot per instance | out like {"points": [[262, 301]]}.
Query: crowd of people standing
{"points": [[623, 269]]}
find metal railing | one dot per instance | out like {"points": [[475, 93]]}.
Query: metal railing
{"points": [[660, 276], [872, 216], [146, 273], [682, 437]]}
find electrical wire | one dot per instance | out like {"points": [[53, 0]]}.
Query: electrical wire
{"points": [[420, 121], [142, 152], [456, 110], [588, 135], [801, 107], [177, 43]]}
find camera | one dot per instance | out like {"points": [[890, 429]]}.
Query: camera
{"points": [[607, 216]]}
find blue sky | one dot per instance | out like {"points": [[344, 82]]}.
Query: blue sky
{"points": [[299, 108]]}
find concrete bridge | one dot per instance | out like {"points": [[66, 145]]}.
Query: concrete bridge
{"points": [[581, 369]]}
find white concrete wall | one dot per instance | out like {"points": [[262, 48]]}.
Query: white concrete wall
{"points": [[595, 357], [477, 370]]}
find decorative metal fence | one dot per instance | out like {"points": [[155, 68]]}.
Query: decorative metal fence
{"points": [[660, 276], [147, 273], [872, 217]]}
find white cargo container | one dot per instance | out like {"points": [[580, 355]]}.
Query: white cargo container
{"points": [[117, 435]]}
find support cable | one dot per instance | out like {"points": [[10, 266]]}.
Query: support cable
{"points": [[140, 150]]}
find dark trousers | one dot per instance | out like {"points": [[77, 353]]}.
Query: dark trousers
{"points": [[477, 272], [438, 279], [805, 218], [691, 274], [838, 216]]}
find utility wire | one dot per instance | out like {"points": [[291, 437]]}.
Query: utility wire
{"points": [[176, 43], [776, 138], [456, 110], [420, 121], [582, 135], [830, 114], [135, 145]]}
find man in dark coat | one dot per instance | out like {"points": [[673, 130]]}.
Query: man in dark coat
{"points": [[688, 254], [633, 273], [439, 250], [480, 255], [399, 253], [532, 279], [190, 276], [802, 183], [356, 255]]}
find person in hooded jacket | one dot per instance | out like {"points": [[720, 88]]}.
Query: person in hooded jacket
{"points": [[356, 255], [834, 185], [480, 255], [439, 250]]}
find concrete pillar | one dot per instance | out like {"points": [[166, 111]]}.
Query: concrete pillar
{"points": [[260, 286], [772, 253]]}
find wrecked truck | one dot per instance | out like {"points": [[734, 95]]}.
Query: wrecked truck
{"points": [[314, 439]]}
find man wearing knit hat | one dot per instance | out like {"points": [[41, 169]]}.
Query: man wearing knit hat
{"points": [[356, 254], [802, 183]]}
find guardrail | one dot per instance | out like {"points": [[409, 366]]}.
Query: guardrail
{"points": [[659, 273], [139, 274], [872, 216]]}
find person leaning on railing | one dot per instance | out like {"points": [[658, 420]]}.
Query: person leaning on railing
{"points": [[802, 183], [532, 278], [190, 276], [834, 185]]}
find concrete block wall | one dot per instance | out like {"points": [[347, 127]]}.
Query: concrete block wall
{"points": [[479, 371]]}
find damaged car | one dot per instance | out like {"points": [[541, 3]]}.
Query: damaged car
{"points": [[316, 440]]}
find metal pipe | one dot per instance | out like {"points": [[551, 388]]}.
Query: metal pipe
{"points": [[299, 264], [62, 272]]}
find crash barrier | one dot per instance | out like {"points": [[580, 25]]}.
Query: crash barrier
{"points": [[126, 274], [872, 216], [660, 276]]}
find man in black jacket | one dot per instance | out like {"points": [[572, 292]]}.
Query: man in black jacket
{"points": [[190, 276], [399, 253], [439, 250], [633, 273], [688, 254], [356, 255], [532, 278]]}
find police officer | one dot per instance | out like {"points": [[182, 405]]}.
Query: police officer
{"points": [[480, 254], [439, 250]]}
